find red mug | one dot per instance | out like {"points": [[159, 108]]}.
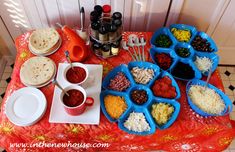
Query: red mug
{"points": [[75, 107]]}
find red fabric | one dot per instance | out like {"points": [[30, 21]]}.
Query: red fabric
{"points": [[190, 132]]}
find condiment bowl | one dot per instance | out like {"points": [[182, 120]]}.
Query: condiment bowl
{"points": [[225, 98], [76, 64]]}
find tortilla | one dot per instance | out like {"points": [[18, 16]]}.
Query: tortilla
{"points": [[37, 71], [44, 40]]}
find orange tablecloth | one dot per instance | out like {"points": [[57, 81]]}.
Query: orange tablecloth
{"points": [[190, 132]]}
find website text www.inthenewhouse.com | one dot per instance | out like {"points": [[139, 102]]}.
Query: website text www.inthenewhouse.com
{"points": [[68, 144]]}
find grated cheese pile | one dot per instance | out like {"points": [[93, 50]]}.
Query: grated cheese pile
{"points": [[161, 112], [207, 100], [203, 64], [137, 122], [141, 75], [115, 106]]}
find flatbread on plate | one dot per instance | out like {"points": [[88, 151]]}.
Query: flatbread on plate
{"points": [[37, 71], [43, 40]]}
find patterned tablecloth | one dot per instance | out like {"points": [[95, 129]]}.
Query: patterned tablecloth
{"points": [[190, 132]]}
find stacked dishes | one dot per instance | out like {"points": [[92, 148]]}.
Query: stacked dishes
{"points": [[131, 98], [44, 42], [184, 52], [26, 106], [37, 72]]}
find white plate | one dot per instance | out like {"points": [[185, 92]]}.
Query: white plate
{"points": [[26, 106], [42, 85], [46, 54], [92, 88]]}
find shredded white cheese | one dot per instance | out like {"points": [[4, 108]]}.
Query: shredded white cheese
{"points": [[203, 64], [206, 99], [137, 122], [141, 75]]}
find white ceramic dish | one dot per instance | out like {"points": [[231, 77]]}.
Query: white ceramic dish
{"points": [[49, 53], [76, 65], [26, 106], [92, 88]]}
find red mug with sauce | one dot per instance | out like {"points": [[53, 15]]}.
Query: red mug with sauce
{"points": [[77, 101], [76, 75]]}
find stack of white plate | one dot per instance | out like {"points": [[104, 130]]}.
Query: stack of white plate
{"points": [[37, 72], [26, 106], [44, 42]]}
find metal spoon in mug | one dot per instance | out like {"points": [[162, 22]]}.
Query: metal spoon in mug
{"points": [[68, 58], [143, 43], [125, 47], [58, 85]]}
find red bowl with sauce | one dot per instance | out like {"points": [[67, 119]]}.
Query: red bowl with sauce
{"points": [[77, 101], [76, 75]]}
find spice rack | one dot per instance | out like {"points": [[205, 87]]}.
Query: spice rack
{"points": [[105, 31]]}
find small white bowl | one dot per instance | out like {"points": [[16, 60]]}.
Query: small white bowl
{"points": [[76, 64]]}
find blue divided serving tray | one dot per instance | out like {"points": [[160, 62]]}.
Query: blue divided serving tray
{"points": [[131, 105], [193, 53], [225, 98]]}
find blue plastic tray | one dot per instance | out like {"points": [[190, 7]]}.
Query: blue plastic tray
{"points": [[175, 44], [225, 98], [132, 106]]}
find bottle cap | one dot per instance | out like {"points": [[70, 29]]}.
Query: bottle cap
{"points": [[117, 15], [94, 16], [98, 9], [95, 25], [106, 8], [113, 28]]}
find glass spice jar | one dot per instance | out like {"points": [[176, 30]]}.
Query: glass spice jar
{"points": [[113, 32], [105, 50], [94, 29], [118, 23], [115, 48], [103, 33], [97, 48]]}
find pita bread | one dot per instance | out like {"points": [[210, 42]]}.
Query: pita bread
{"points": [[43, 40], [37, 71]]}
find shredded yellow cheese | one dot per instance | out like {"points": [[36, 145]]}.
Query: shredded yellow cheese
{"points": [[115, 105]]}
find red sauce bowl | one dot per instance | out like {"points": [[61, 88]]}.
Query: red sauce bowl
{"points": [[77, 101], [77, 75]]}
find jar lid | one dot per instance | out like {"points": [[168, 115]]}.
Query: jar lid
{"points": [[106, 47], [95, 25], [117, 15], [113, 28], [103, 29], [117, 22], [96, 45], [115, 44], [106, 8], [94, 16], [98, 9]]}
